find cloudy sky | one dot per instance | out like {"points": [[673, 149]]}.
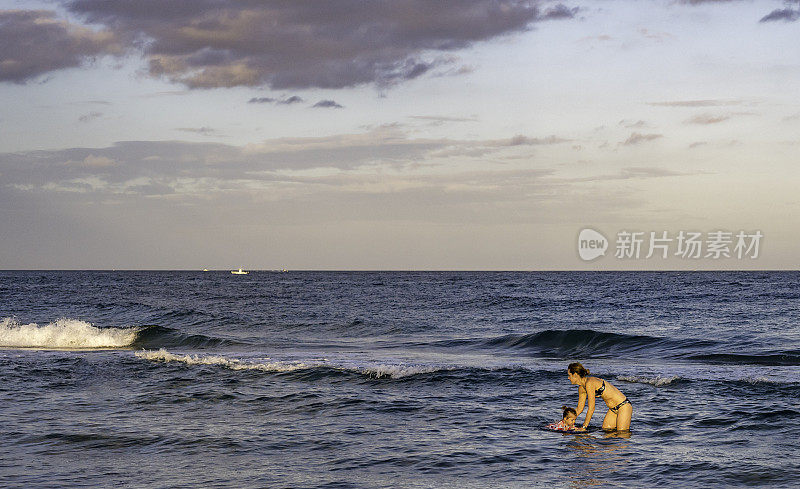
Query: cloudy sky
{"points": [[402, 134]]}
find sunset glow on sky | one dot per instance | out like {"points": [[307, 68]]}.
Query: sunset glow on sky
{"points": [[405, 134]]}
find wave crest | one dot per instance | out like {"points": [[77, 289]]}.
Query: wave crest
{"points": [[656, 381], [64, 333], [372, 371], [162, 355], [574, 342], [151, 337]]}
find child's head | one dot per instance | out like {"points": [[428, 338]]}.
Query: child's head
{"points": [[569, 416]]}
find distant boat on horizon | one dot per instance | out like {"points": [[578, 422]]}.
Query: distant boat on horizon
{"points": [[239, 272]]}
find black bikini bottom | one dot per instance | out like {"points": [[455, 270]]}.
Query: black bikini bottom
{"points": [[615, 409]]}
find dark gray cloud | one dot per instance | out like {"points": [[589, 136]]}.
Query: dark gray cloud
{"points": [[327, 104], [637, 138], [304, 43], [283, 44], [34, 42], [294, 99], [785, 14]]}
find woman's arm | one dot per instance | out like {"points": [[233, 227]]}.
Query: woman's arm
{"points": [[590, 410], [581, 400]]}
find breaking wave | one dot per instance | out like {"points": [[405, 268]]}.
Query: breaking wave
{"points": [[267, 365], [656, 381], [163, 355], [64, 333], [767, 380], [73, 333]]}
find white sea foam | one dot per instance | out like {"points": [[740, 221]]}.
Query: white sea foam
{"points": [[656, 381], [267, 365], [64, 333], [765, 380], [398, 371], [163, 355]]}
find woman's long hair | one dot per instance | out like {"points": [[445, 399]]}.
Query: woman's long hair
{"points": [[577, 368]]}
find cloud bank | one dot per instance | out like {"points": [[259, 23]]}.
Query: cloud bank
{"points": [[34, 42], [300, 44], [178, 166], [281, 44]]}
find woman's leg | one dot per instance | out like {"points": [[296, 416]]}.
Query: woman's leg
{"points": [[624, 417], [610, 421]]}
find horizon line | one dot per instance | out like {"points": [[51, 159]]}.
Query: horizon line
{"points": [[466, 270]]}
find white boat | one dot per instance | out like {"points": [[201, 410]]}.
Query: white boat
{"points": [[239, 272]]}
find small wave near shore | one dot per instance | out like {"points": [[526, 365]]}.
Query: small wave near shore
{"points": [[657, 381], [394, 371]]}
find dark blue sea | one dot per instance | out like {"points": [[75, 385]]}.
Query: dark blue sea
{"points": [[395, 379]]}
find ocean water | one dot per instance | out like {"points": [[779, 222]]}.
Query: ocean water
{"points": [[395, 379]]}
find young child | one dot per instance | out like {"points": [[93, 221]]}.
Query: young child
{"points": [[567, 422]]}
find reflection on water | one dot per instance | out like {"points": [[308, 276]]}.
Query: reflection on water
{"points": [[597, 458], [617, 434]]}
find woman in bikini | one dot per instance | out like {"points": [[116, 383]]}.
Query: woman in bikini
{"points": [[620, 409]]}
